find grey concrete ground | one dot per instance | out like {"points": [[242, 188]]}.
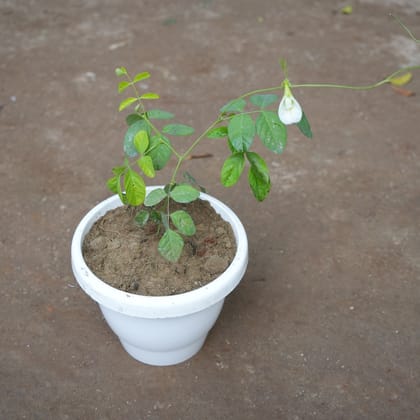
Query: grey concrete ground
{"points": [[326, 322]]}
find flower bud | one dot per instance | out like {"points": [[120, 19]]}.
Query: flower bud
{"points": [[290, 112]]}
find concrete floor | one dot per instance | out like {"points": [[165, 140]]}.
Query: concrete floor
{"points": [[325, 324]]}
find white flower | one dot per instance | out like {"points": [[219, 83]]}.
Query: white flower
{"points": [[290, 112]]}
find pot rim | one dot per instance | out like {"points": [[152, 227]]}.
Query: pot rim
{"points": [[158, 306]]}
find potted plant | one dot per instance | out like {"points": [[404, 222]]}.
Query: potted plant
{"points": [[163, 330], [168, 328]]}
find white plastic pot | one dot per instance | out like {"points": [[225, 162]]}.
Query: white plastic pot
{"points": [[160, 330]]}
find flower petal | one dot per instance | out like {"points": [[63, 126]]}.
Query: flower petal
{"points": [[290, 112]]}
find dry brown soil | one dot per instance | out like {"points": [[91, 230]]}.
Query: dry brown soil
{"points": [[125, 255]]}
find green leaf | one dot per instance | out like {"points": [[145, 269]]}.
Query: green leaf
{"points": [[272, 131], [158, 114], [141, 76], [112, 184], [263, 100], [149, 95], [142, 217], [123, 196], [155, 197], [120, 71], [141, 141], [231, 148], [122, 86], [126, 102], [156, 216], [241, 131], [145, 163], [132, 118], [183, 222], [184, 193], [178, 129], [217, 132], [260, 186], [171, 245], [236, 105], [135, 188], [304, 126], [232, 169], [160, 151], [259, 165], [119, 170], [129, 147]]}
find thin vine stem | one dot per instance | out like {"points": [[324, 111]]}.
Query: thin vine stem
{"points": [[410, 34], [221, 117], [257, 91], [146, 118], [185, 155], [388, 79]]}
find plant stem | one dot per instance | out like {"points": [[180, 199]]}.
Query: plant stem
{"points": [[146, 118], [133, 85], [257, 91], [153, 127], [221, 117], [356, 87], [410, 34], [185, 155]]}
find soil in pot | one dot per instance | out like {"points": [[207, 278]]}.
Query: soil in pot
{"points": [[125, 255]]}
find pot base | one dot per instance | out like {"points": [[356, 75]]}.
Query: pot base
{"points": [[166, 341], [164, 358]]}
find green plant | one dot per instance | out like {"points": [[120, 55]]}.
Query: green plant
{"points": [[148, 148]]}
